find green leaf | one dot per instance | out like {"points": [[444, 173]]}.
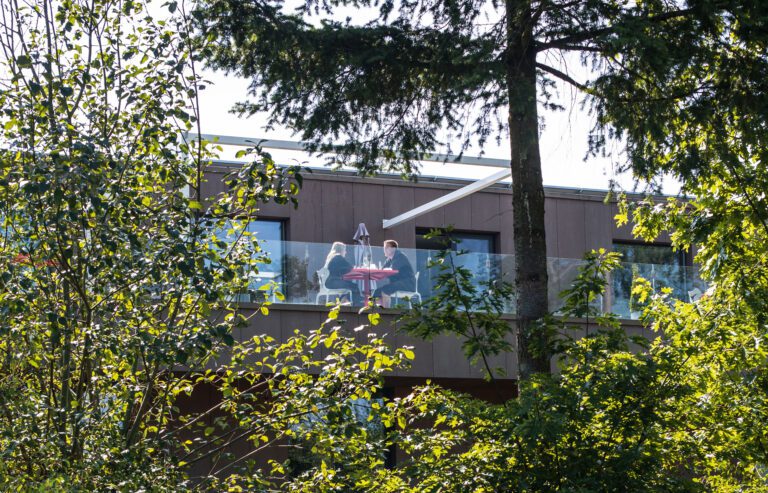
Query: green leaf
{"points": [[23, 61]]}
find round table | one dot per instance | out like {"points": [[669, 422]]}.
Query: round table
{"points": [[368, 274]]}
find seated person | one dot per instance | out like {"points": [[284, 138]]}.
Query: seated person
{"points": [[404, 280], [337, 266]]}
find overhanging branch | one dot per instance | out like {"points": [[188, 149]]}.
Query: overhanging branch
{"points": [[563, 76], [577, 38], [574, 47]]}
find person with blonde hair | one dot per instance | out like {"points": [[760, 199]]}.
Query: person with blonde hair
{"points": [[337, 266]]}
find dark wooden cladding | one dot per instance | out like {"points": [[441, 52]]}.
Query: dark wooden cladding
{"points": [[440, 358], [331, 205]]}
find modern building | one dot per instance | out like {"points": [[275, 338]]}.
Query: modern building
{"points": [[333, 204]]}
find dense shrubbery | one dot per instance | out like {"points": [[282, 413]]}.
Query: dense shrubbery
{"points": [[115, 293]]}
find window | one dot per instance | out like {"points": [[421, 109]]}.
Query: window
{"points": [[479, 258], [270, 234], [659, 264]]}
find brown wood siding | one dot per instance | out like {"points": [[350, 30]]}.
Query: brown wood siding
{"points": [[331, 206], [486, 212], [570, 221], [439, 358], [598, 225], [434, 219], [397, 200], [307, 222], [550, 225]]}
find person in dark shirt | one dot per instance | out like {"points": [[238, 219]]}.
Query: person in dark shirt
{"points": [[404, 280], [337, 266]]}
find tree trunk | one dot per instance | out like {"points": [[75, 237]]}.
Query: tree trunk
{"points": [[527, 190]]}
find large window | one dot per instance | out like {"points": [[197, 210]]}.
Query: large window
{"points": [[270, 234], [659, 264], [479, 248]]}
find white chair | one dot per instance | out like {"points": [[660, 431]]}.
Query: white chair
{"points": [[407, 295], [694, 295], [322, 276]]}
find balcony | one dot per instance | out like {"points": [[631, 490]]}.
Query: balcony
{"points": [[294, 268]]}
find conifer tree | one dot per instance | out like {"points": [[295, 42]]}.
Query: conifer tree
{"points": [[476, 69]]}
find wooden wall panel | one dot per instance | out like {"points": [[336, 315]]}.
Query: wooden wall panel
{"points": [[506, 225], [459, 214], [398, 200], [368, 206], [625, 232], [449, 359], [598, 225], [303, 320], [259, 324], [271, 210], [571, 242], [213, 183], [306, 221], [270, 325], [434, 219], [485, 212], [338, 212], [423, 364], [550, 225], [511, 356]]}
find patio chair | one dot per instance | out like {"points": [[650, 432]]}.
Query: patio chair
{"points": [[322, 276], [694, 295], [407, 295]]}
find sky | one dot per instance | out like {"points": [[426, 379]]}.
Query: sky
{"points": [[563, 140], [563, 136]]}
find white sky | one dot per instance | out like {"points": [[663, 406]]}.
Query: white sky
{"points": [[563, 140]]}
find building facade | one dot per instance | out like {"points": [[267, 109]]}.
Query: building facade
{"points": [[333, 204]]}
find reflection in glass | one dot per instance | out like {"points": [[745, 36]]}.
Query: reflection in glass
{"points": [[297, 263]]}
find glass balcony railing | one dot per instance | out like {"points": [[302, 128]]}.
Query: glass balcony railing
{"points": [[295, 271]]}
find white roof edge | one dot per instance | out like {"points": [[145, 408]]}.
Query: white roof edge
{"points": [[290, 145]]}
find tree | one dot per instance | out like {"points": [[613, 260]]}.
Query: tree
{"points": [[117, 282], [682, 412], [110, 270], [473, 69]]}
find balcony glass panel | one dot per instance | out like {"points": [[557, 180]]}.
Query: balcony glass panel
{"points": [[683, 281], [300, 262]]}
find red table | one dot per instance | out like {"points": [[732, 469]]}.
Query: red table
{"points": [[367, 275]]}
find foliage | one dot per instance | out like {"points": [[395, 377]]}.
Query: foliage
{"points": [[682, 412], [607, 422], [702, 94], [712, 137], [305, 394], [416, 68], [462, 308], [116, 289], [117, 285], [672, 81]]}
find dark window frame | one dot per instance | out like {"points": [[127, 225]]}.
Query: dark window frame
{"points": [[685, 258], [493, 236]]}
